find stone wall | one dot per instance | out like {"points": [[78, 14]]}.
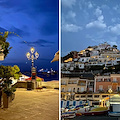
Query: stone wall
{"points": [[48, 85]]}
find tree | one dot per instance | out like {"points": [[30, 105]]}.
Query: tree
{"points": [[4, 44], [6, 72], [115, 46]]}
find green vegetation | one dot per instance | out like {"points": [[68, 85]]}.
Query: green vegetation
{"points": [[4, 44], [6, 72]]}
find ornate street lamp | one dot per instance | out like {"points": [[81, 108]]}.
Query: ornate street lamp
{"points": [[33, 56]]}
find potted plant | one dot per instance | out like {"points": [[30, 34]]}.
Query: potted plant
{"points": [[7, 73]]}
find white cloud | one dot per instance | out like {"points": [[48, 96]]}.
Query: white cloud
{"points": [[68, 3], [99, 23], [90, 5], [71, 28], [101, 18], [115, 29], [71, 14], [98, 12], [112, 43]]}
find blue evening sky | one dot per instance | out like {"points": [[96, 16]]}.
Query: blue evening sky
{"points": [[36, 21], [89, 22]]}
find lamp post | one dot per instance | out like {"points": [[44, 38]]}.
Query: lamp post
{"points": [[32, 56]]}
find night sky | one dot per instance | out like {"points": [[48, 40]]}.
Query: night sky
{"points": [[88, 23], [36, 21]]}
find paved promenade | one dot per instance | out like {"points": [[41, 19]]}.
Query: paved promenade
{"points": [[33, 105]]}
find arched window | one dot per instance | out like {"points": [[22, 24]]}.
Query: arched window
{"points": [[78, 90], [73, 89], [62, 89]]}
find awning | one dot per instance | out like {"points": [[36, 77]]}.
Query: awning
{"points": [[56, 57], [37, 79]]}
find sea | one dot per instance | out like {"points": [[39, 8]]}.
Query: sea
{"points": [[45, 76]]}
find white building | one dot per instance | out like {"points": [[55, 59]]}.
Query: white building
{"points": [[23, 77]]}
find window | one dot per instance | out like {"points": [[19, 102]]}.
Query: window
{"points": [[118, 88], [82, 89], [69, 90], [62, 89], [100, 87], [78, 90], [104, 95], [73, 89], [89, 96], [77, 96], [114, 80], [99, 80], [82, 96], [96, 96], [90, 89]]}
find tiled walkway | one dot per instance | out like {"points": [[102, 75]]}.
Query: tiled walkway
{"points": [[33, 105]]}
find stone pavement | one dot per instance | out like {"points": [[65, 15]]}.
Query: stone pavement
{"points": [[33, 105]]}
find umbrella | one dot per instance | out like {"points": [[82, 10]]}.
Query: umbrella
{"points": [[56, 57], [37, 78]]}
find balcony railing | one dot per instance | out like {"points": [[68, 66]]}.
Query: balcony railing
{"points": [[82, 84], [114, 81], [63, 83], [72, 82]]}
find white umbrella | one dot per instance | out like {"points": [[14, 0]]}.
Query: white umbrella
{"points": [[56, 57]]}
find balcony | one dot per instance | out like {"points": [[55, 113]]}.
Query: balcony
{"points": [[72, 82], [115, 81], [63, 83], [81, 84]]}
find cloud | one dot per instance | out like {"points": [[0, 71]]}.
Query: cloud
{"points": [[40, 42], [71, 14], [99, 23], [18, 31], [71, 28], [115, 29], [98, 12], [3, 29], [96, 24], [90, 5], [68, 3]]}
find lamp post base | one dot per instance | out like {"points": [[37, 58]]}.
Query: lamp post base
{"points": [[29, 85]]}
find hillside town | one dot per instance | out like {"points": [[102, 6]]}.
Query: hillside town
{"points": [[101, 57], [91, 76]]}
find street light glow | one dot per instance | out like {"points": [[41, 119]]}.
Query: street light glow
{"points": [[28, 55], [110, 90], [36, 54], [32, 49], [32, 56]]}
